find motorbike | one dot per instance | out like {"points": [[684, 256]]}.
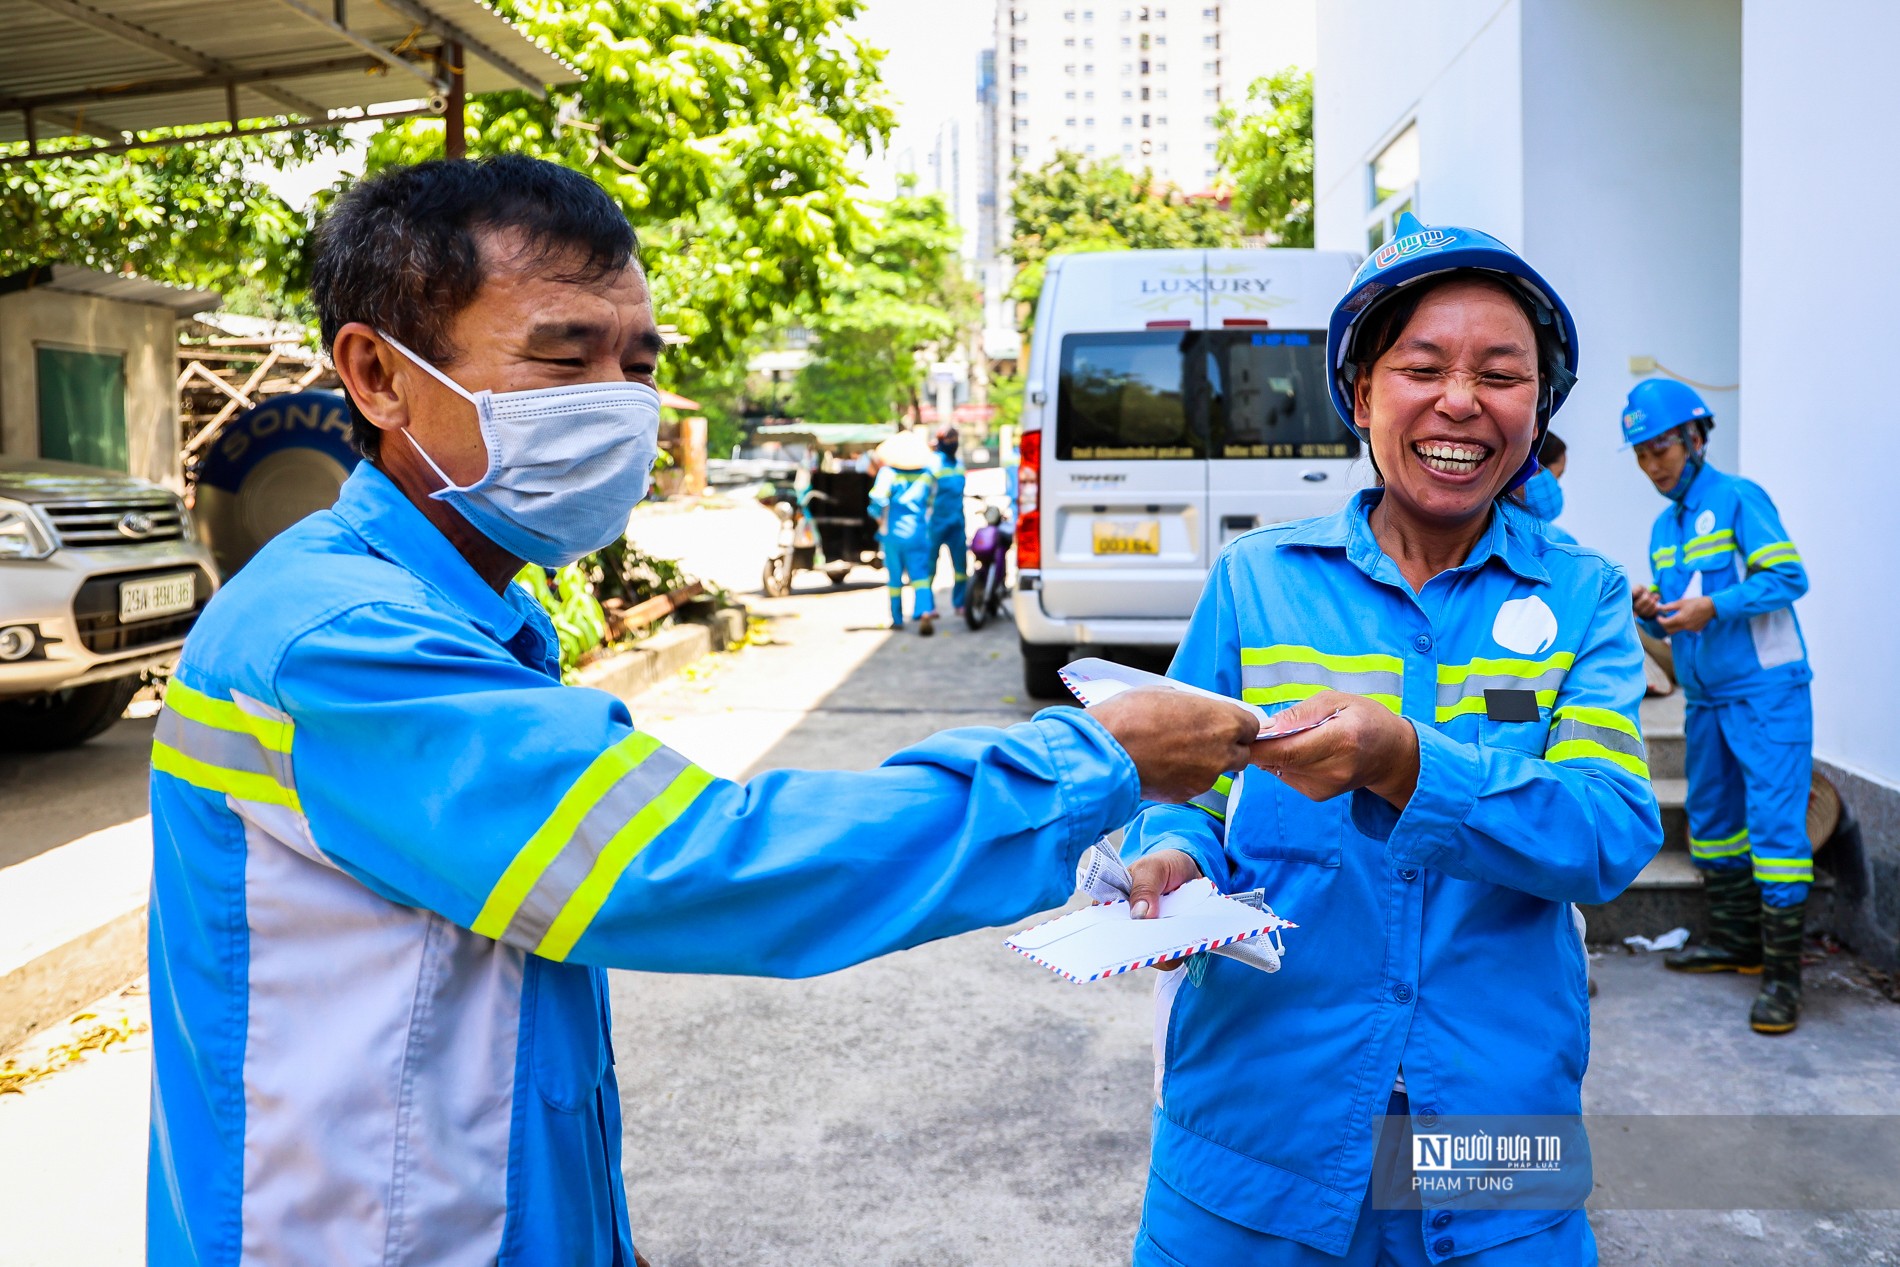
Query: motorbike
{"points": [[989, 584]]}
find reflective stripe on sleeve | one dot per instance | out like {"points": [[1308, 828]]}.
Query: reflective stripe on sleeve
{"points": [[1214, 800], [1663, 558], [1727, 847], [553, 887], [1579, 732], [1287, 674], [239, 750], [1773, 553], [1461, 687]]}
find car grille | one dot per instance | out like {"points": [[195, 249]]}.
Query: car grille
{"points": [[91, 524], [96, 612]]}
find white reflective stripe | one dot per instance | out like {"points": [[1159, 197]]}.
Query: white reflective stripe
{"points": [[377, 1116]]}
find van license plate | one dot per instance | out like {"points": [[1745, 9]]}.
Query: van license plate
{"points": [[1138, 537], [159, 596]]}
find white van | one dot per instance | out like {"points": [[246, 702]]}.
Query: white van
{"points": [[1174, 400]]}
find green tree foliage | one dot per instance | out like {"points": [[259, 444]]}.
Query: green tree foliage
{"points": [[191, 214], [905, 289], [1266, 145], [729, 130], [1070, 204]]}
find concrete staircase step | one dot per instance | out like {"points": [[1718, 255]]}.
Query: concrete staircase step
{"points": [[1668, 894]]}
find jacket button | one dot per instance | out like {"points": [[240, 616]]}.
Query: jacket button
{"points": [[1408, 873], [1443, 1246], [1427, 1118], [1441, 1221], [1423, 642], [1402, 992]]}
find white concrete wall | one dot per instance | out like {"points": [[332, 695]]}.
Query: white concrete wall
{"points": [[1819, 195], [144, 334], [1632, 195], [1455, 66]]}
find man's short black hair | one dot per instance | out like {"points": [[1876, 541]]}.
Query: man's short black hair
{"points": [[401, 251]]}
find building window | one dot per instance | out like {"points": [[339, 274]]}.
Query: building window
{"points": [[1209, 147], [1161, 94], [1146, 121], [1128, 120], [1212, 94], [1089, 95], [1020, 151], [1210, 41], [1088, 68], [1069, 43], [1161, 120], [1144, 68], [1069, 122], [1161, 41], [1069, 69], [1212, 68], [1089, 122], [1392, 182], [1161, 68], [1068, 15], [1212, 15], [1088, 41], [1088, 15], [1069, 95], [1019, 46], [1128, 94], [82, 407], [1089, 149], [1019, 98]]}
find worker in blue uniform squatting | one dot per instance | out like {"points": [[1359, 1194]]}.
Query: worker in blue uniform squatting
{"points": [[901, 499], [1484, 771], [392, 853], [947, 532], [1727, 577]]}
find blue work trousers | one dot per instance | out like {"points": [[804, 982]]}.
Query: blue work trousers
{"points": [[1750, 763], [1175, 1232], [950, 536], [908, 563]]}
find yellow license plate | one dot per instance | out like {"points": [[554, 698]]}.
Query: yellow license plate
{"points": [[1139, 537]]}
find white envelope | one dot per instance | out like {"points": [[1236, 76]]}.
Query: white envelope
{"points": [[1105, 941], [1094, 681]]}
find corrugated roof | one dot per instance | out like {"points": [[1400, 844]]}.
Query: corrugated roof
{"points": [[106, 67], [125, 287]]}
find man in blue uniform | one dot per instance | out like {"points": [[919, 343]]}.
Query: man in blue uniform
{"points": [[946, 515], [901, 498], [1726, 580], [392, 854]]}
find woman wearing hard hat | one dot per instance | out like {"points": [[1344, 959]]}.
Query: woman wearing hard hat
{"points": [[901, 497], [1480, 771], [1726, 580]]}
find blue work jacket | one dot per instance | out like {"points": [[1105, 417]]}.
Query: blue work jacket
{"points": [[1438, 941], [946, 506], [1724, 541], [392, 854], [908, 496]]}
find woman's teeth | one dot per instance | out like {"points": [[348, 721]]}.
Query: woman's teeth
{"points": [[1452, 459]]}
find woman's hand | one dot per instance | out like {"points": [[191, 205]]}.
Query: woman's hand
{"points": [[1687, 615], [1366, 746], [1646, 602], [1150, 876]]}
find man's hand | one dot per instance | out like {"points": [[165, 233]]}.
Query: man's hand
{"points": [[1180, 742], [1153, 874], [1687, 615], [1646, 601], [1366, 746]]}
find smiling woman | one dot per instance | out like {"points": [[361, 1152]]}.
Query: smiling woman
{"points": [[1479, 769]]}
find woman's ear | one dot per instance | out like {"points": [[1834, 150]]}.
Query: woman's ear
{"points": [[1362, 399]]}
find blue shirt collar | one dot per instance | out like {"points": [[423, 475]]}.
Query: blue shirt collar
{"points": [[385, 517], [1350, 529]]}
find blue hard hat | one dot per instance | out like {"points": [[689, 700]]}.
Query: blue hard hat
{"points": [[1418, 252], [1657, 405]]}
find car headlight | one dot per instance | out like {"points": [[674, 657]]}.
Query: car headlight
{"points": [[22, 535]]}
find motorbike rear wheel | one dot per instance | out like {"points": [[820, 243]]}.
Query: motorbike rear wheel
{"points": [[976, 604]]}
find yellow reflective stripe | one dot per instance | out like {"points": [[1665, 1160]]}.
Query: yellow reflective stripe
{"points": [[1788, 555], [1726, 847], [1582, 749], [1785, 870], [1607, 718], [1450, 673], [1293, 692], [1710, 538], [244, 785], [1476, 704], [641, 830], [517, 881], [1665, 557], [226, 715], [1286, 654], [1773, 547]]}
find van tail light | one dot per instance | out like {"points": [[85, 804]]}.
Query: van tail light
{"points": [[1029, 503], [1256, 323], [1182, 324]]}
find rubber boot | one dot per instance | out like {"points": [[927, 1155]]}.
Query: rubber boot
{"points": [[1777, 1008], [1733, 943]]}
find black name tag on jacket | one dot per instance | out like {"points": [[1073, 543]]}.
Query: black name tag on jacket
{"points": [[1510, 705]]}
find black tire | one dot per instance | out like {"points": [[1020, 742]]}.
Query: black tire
{"points": [[63, 719], [1042, 676], [776, 580], [976, 602], [837, 572]]}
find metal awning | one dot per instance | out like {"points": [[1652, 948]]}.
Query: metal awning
{"points": [[109, 69], [124, 287]]}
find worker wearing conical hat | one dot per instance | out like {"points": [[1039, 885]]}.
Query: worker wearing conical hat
{"points": [[901, 498]]}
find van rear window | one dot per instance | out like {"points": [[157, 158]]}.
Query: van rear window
{"points": [[1124, 397], [1267, 396]]}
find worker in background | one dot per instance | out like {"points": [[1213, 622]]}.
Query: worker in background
{"points": [[1726, 581], [1477, 768], [392, 853], [901, 500], [1541, 496], [946, 514]]}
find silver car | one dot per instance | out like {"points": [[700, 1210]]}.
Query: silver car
{"points": [[101, 578]]}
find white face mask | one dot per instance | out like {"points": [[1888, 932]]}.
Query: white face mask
{"points": [[566, 465]]}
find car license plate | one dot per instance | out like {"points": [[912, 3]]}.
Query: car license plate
{"points": [[1125, 537], [157, 596]]}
